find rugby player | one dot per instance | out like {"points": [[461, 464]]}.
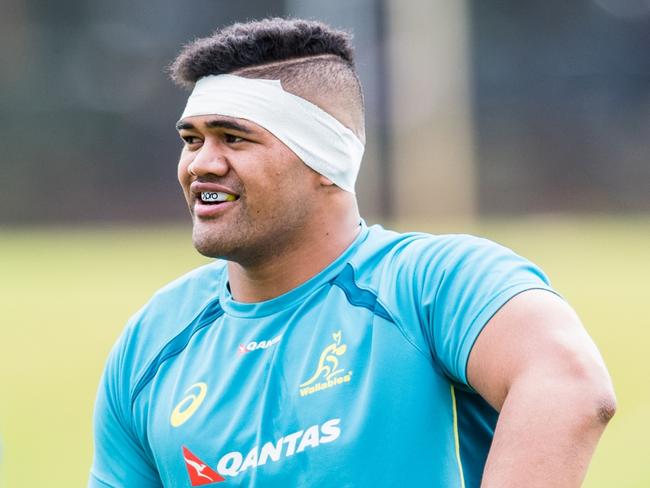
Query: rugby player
{"points": [[316, 351]]}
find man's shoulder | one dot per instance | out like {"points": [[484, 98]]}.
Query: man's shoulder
{"points": [[392, 263], [178, 302], [169, 311], [392, 248], [198, 283]]}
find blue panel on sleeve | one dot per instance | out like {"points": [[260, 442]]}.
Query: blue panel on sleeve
{"points": [[358, 296]]}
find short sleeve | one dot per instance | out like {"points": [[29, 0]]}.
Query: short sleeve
{"points": [[119, 458], [473, 279]]}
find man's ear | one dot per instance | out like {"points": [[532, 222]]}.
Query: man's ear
{"points": [[325, 181]]}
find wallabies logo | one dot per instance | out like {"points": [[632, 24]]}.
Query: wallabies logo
{"points": [[328, 373]]}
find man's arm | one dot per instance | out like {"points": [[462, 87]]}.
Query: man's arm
{"points": [[119, 459], [537, 366]]}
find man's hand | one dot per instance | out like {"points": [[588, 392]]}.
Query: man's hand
{"points": [[538, 367]]}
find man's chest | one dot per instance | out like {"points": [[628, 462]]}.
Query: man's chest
{"points": [[310, 397]]}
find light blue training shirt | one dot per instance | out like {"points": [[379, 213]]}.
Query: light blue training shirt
{"points": [[356, 378]]}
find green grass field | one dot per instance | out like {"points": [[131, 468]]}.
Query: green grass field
{"points": [[66, 293]]}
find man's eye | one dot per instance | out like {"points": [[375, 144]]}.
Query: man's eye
{"points": [[231, 138], [190, 139]]}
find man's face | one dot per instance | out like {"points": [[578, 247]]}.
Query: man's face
{"points": [[248, 194]]}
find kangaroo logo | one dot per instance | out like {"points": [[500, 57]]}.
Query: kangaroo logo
{"points": [[328, 371]]}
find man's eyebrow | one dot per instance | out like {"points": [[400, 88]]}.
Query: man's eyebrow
{"points": [[226, 124], [184, 126], [215, 124]]}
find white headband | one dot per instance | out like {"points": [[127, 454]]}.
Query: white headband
{"points": [[317, 138]]}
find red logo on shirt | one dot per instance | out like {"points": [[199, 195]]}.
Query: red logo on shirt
{"points": [[200, 473], [254, 345], [235, 462]]}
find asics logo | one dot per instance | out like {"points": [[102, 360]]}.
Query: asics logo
{"points": [[195, 395]]}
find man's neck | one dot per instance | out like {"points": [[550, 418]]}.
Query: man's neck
{"points": [[298, 264]]}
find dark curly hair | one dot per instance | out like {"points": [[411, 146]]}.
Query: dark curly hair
{"points": [[310, 58], [244, 45]]}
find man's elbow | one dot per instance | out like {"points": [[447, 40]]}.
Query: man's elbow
{"points": [[590, 404], [606, 407], [598, 399], [574, 382]]}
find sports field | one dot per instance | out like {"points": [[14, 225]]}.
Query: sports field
{"points": [[66, 293]]}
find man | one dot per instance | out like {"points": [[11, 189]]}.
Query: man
{"points": [[318, 352]]}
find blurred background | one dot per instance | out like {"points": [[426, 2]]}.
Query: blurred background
{"points": [[525, 122]]}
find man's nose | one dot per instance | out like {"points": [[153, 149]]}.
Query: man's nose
{"points": [[209, 160]]}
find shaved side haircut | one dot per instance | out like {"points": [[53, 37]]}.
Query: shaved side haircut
{"points": [[311, 59]]}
